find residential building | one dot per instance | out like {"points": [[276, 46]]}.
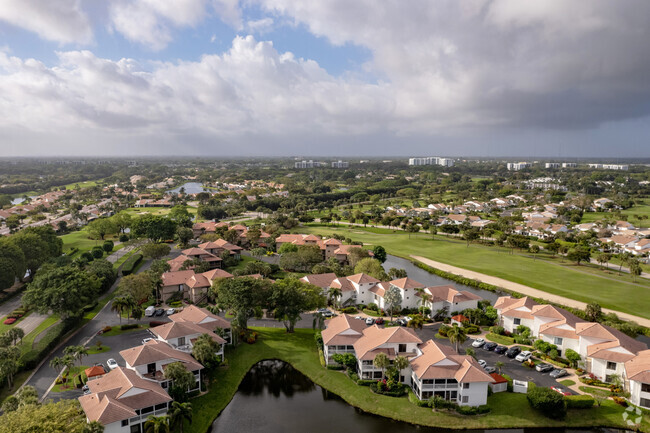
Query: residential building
{"points": [[122, 401], [391, 341], [637, 379], [340, 335], [552, 165], [556, 326], [329, 247], [408, 289], [151, 359], [516, 166], [514, 312], [450, 299], [181, 336], [205, 319], [340, 164], [194, 287], [437, 370], [569, 165], [304, 164], [432, 160]]}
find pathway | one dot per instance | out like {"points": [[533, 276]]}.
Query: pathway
{"points": [[10, 305], [520, 288], [119, 254], [31, 322]]}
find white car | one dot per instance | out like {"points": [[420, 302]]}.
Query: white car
{"points": [[523, 356], [407, 319], [482, 363], [479, 342], [171, 311], [112, 364], [146, 340]]}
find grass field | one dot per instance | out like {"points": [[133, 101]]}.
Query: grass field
{"points": [[81, 185], [581, 283], [640, 210], [136, 211], [299, 349]]}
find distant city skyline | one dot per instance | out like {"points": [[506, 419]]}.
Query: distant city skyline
{"points": [[552, 79]]}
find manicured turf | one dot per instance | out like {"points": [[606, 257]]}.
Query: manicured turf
{"points": [[567, 382], [632, 213], [299, 349], [28, 340], [549, 275], [500, 339], [81, 185]]}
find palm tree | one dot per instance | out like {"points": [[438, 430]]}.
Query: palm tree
{"points": [[57, 364], [499, 365], [157, 424], [381, 361], [456, 335], [178, 413], [400, 363], [335, 294], [120, 304]]}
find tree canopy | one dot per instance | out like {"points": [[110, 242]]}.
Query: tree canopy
{"points": [[241, 296], [290, 297]]}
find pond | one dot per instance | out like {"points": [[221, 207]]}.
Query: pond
{"points": [[190, 188], [429, 279], [276, 398]]}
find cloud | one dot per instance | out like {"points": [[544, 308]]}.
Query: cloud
{"points": [[152, 22], [261, 26], [496, 62], [60, 21]]}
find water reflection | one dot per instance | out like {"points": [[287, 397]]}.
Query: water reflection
{"points": [[276, 398]]}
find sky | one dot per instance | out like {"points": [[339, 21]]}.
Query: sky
{"points": [[552, 78]]}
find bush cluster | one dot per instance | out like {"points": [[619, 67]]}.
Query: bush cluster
{"points": [[579, 401], [130, 263], [547, 401]]}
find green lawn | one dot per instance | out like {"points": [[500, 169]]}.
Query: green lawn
{"points": [[500, 339], [136, 211], [81, 185], [4, 328], [115, 330], [28, 340], [299, 349], [567, 382], [94, 350], [640, 210], [581, 283]]}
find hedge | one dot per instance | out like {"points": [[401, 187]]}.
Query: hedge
{"points": [[130, 264], [129, 326], [579, 401], [30, 359], [473, 410]]}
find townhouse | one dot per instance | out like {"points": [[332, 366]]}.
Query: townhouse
{"points": [[340, 335], [556, 326], [637, 379], [122, 401], [205, 319], [151, 359], [391, 341], [450, 299], [194, 287], [437, 370], [181, 336], [217, 248], [514, 312], [330, 248]]}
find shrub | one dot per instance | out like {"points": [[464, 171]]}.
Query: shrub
{"points": [[347, 360], [579, 401], [443, 330], [547, 401], [499, 330], [129, 326], [124, 238], [620, 400], [438, 402], [319, 340], [349, 310], [388, 388], [108, 246], [130, 264], [87, 256], [473, 410], [372, 306], [471, 329], [106, 329], [97, 252]]}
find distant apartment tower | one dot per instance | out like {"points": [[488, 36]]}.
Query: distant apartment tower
{"points": [[304, 164], [516, 166], [432, 160], [623, 167], [552, 165], [569, 165], [340, 164]]}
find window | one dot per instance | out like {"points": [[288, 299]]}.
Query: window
{"points": [[557, 341], [611, 365], [427, 381], [608, 378], [349, 347], [465, 399], [645, 402], [151, 368], [517, 321], [440, 381], [146, 410], [466, 386], [181, 341], [401, 348], [125, 422], [136, 428], [645, 387], [161, 406]]}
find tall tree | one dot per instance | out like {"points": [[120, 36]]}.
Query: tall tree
{"points": [[156, 228], [34, 248], [204, 350], [241, 296], [182, 380], [400, 363], [64, 291], [382, 362], [290, 297], [9, 364], [180, 216], [393, 300], [456, 335], [155, 250], [122, 221], [101, 227], [371, 267], [137, 286], [593, 311], [178, 414], [379, 253], [12, 262]]}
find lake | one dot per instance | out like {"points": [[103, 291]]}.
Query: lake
{"points": [[429, 279], [190, 188], [276, 398]]}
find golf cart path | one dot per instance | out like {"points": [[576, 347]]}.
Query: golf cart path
{"points": [[520, 288]]}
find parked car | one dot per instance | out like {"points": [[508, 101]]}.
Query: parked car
{"points": [[325, 312], [524, 356], [171, 311], [544, 368], [146, 340], [85, 389], [490, 370], [407, 319], [500, 350], [513, 351], [370, 321], [112, 364], [489, 345], [400, 322], [557, 373], [482, 363], [478, 342], [379, 320], [149, 311], [159, 312], [560, 390], [359, 318]]}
